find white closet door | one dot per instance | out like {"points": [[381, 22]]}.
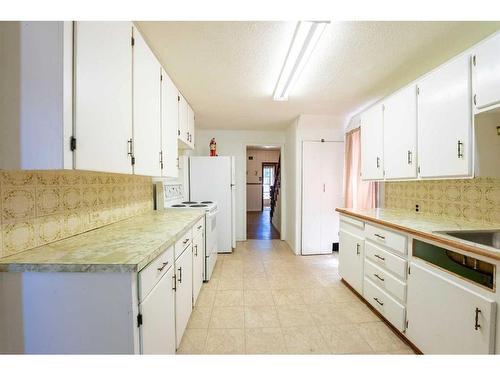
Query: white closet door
{"points": [[169, 126], [400, 134], [147, 107], [103, 95], [312, 191], [332, 169]]}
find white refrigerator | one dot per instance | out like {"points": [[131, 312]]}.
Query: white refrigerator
{"points": [[213, 178]]}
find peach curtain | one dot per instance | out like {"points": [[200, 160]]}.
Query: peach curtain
{"points": [[357, 193]]}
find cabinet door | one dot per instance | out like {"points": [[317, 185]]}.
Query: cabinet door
{"points": [[147, 107], [183, 120], [445, 121], [450, 327], [351, 249], [312, 191], [332, 171], [190, 126], [169, 126], [198, 264], [486, 73], [157, 332], [400, 134], [184, 292], [103, 96], [372, 144]]}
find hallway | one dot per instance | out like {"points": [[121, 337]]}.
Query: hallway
{"points": [[263, 299], [259, 225]]}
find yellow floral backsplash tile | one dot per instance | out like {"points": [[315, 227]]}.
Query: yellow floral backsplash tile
{"points": [[475, 199], [39, 207]]}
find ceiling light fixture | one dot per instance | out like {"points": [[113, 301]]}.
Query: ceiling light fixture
{"points": [[307, 34]]}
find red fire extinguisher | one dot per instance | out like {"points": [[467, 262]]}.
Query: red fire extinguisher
{"points": [[213, 147]]}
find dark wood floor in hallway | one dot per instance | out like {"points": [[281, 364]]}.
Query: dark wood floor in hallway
{"points": [[259, 226]]}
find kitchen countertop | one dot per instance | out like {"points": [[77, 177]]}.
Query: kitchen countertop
{"points": [[426, 226], [125, 246]]}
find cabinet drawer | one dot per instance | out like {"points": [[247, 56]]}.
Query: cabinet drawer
{"points": [[350, 220], [386, 260], [395, 241], [153, 272], [353, 226], [386, 281], [199, 227], [183, 243], [392, 310]]}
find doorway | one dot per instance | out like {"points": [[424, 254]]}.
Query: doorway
{"points": [[263, 192]]}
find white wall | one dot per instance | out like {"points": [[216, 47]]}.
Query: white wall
{"points": [[305, 128], [234, 143]]}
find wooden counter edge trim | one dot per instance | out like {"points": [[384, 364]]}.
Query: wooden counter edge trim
{"points": [[424, 235], [384, 320]]}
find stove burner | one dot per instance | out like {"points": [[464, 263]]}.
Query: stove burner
{"points": [[188, 202], [178, 205], [207, 202], [198, 205]]}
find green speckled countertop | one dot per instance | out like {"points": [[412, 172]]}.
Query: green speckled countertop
{"points": [[125, 246], [428, 226]]}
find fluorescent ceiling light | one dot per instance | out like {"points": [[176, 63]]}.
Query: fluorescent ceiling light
{"points": [[307, 34]]}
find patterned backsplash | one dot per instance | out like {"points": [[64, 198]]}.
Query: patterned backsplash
{"points": [[39, 207], [475, 199]]}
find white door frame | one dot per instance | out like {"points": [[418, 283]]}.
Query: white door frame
{"points": [[281, 146]]}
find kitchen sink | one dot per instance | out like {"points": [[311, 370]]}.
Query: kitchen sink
{"points": [[483, 237]]}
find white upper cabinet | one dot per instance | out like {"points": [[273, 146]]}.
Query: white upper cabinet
{"points": [[445, 121], [190, 126], [169, 126], [486, 74], [103, 96], [147, 107], [183, 121], [372, 144], [400, 134]]}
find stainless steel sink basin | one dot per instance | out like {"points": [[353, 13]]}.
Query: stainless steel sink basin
{"points": [[483, 237]]}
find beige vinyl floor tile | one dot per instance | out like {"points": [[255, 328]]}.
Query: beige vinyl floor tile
{"points": [[262, 299]]}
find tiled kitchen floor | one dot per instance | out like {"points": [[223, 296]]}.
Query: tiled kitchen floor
{"points": [[262, 299]]}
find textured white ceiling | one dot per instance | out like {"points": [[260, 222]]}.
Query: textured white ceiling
{"points": [[228, 70]]}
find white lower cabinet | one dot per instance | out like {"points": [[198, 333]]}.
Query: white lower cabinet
{"points": [[445, 317], [157, 332], [351, 250], [391, 309], [198, 263], [184, 291]]}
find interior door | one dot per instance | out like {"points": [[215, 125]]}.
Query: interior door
{"points": [[445, 121], [332, 172], [400, 134], [184, 292], [157, 333], [372, 144], [312, 192], [103, 95], [442, 315], [169, 126], [147, 109]]}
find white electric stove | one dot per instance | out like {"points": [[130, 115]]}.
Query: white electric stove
{"points": [[210, 208]]}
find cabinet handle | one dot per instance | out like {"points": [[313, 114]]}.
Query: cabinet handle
{"points": [[130, 149], [378, 162], [185, 241], [200, 226], [460, 151], [476, 324], [357, 249], [163, 266], [379, 257], [409, 157], [379, 236], [378, 277], [180, 274], [380, 303], [161, 159], [175, 282], [196, 250]]}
